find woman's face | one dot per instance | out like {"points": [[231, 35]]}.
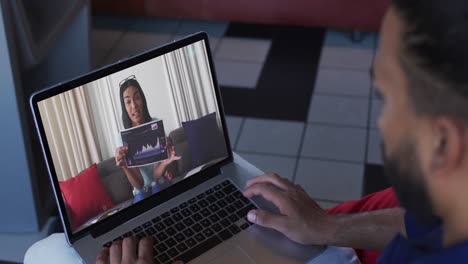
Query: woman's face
{"points": [[134, 105]]}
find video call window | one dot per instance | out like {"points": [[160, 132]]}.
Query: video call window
{"points": [[122, 138]]}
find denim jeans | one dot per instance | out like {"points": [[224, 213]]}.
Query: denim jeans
{"points": [[148, 191]]}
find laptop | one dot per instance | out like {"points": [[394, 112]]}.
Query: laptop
{"points": [[189, 198]]}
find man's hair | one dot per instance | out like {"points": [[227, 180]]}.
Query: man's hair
{"points": [[434, 55]]}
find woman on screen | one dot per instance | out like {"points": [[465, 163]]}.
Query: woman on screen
{"points": [[149, 178]]}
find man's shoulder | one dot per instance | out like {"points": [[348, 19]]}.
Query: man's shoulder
{"points": [[423, 244], [415, 230]]}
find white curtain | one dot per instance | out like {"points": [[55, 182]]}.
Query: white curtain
{"points": [[107, 122], [69, 129], [190, 80]]}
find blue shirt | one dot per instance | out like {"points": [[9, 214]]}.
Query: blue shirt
{"points": [[146, 172], [423, 245]]}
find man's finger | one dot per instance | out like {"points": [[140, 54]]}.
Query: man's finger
{"points": [[129, 250], [269, 192], [145, 249], [103, 257], [115, 252], [274, 179], [267, 219]]}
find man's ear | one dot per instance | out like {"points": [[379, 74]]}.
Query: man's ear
{"points": [[449, 145]]}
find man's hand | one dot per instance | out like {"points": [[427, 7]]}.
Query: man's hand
{"points": [[129, 251], [301, 219]]}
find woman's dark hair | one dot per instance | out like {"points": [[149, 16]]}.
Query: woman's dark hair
{"points": [[434, 55], [127, 122]]}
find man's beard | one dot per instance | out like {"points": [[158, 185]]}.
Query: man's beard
{"points": [[404, 173]]}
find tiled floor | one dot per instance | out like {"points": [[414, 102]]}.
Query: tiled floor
{"points": [[311, 116]]}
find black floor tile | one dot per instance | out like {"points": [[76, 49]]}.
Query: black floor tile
{"points": [[288, 77], [374, 179], [246, 30]]}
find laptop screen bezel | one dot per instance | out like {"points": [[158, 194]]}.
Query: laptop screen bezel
{"points": [[129, 213]]}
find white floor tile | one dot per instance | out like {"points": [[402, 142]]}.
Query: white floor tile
{"points": [[233, 125], [347, 58], [336, 38], [374, 154], [282, 166], [270, 136], [330, 180], [238, 74], [336, 143], [339, 110], [327, 204], [376, 109], [244, 49], [343, 82]]}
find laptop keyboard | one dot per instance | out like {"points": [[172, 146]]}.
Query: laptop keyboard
{"points": [[196, 225]]}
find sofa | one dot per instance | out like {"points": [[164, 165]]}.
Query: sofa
{"points": [[342, 14], [201, 137]]}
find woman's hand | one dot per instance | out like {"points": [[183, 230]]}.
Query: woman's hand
{"points": [[171, 154], [120, 154]]}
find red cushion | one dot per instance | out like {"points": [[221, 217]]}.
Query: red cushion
{"points": [[85, 196], [375, 201]]}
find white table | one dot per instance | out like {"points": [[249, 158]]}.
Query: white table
{"points": [[55, 249]]}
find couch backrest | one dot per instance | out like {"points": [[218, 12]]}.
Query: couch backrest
{"points": [[115, 181], [178, 138]]}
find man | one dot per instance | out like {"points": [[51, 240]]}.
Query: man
{"points": [[421, 71]]}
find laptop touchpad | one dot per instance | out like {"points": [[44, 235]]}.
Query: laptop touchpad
{"points": [[234, 256]]}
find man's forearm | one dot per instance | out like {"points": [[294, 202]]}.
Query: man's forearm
{"points": [[368, 230]]}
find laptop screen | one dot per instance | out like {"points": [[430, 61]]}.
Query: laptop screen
{"points": [[125, 137]]}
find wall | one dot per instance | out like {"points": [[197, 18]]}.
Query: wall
{"points": [[18, 216], [26, 194]]}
